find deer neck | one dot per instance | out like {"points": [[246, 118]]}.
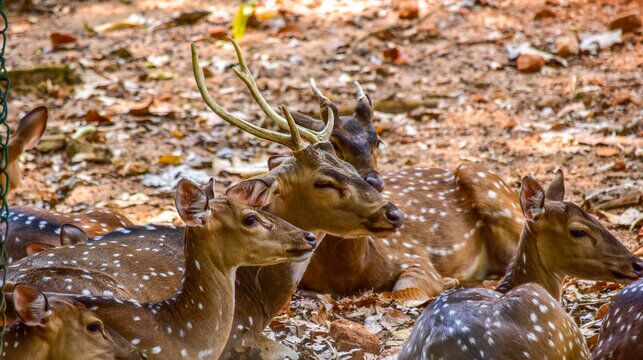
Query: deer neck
{"points": [[528, 267], [205, 299]]}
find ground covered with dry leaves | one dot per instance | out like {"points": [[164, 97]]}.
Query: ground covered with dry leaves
{"points": [[125, 114]]}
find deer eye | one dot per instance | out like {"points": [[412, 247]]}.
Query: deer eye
{"points": [[324, 185], [250, 220], [577, 233], [94, 327]]}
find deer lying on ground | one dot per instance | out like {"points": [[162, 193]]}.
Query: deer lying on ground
{"points": [[27, 224], [621, 335], [220, 236], [312, 189], [46, 327], [463, 224], [522, 318]]}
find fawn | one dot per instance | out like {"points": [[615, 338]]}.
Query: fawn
{"points": [[220, 236], [27, 224], [46, 327], [522, 318], [313, 190], [463, 223], [621, 334]]}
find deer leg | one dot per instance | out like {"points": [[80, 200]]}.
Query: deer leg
{"points": [[263, 348], [417, 285]]}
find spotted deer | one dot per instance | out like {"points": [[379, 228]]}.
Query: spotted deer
{"points": [[311, 189], [621, 334], [462, 223], [46, 327], [220, 236], [522, 319], [28, 224]]}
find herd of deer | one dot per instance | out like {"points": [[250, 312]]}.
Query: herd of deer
{"points": [[94, 286]]}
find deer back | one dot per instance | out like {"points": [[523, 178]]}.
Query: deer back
{"points": [[479, 323], [621, 332], [28, 225]]}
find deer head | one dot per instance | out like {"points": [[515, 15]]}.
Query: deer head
{"points": [[313, 188], [272, 239], [353, 137], [51, 328], [26, 137], [569, 241]]}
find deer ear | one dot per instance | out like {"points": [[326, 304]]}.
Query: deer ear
{"points": [[191, 203], [30, 129], [276, 160], [532, 198], [36, 247], [72, 235], [255, 192], [208, 189], [556, 188], [30, 304]]}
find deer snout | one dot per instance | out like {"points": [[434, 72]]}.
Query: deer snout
{"points": [[393, 215], [310, 238], [375, 180]]}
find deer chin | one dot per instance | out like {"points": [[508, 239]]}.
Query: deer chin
{"points": [[624, 278], [375, 229], [300, 254]]}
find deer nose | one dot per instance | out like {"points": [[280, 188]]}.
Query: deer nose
{"points": [[375, 180], [394, 216], [310, 237], [638, 267]]}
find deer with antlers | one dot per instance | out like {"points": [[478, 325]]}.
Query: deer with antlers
{"points": [[46, 327], [29, 225], [311, 189], [220, 236], [621, 334], [522, 318]]}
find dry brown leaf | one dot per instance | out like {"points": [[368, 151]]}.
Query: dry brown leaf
{"points": [[58, 40], [602, 311], [606, 151], [94, 116], [394, 55]]}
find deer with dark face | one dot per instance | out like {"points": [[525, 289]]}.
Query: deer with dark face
{"points": [[522, 318], [312, 189], [461, 224], [220, 236], [621, 334], [46, 327], [31, 225]]}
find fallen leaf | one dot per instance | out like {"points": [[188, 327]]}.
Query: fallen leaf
{"points": [[395, 56], [601, 312], [606, 151], [94, 116], [133, 21], [170, 160], [131, 168], [592, 42], [59, 40], [142, 111]]}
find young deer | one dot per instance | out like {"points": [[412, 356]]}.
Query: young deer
{"points": [[27, 224], [313, 190], [463, 224], [522, 318], [220, 236], [621, 335], [46, 327]]}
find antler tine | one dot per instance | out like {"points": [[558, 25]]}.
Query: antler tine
{"points": [[360, 91], [246, 76], [257, 131], [324, 102], [294, 131]]}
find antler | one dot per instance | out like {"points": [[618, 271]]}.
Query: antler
{"points": [[360, 91], [246, 76], [292, 141]]}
